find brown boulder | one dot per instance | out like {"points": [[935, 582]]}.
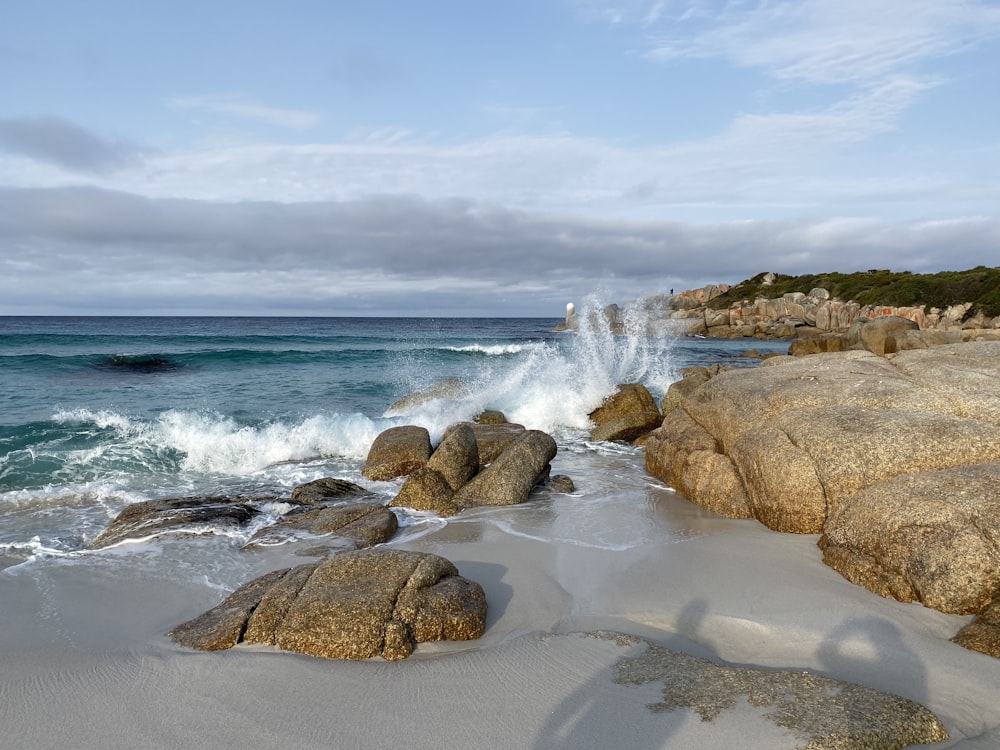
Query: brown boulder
{"points": [[492, 439], [357, 525], [877, 335], [427, 489], [629, 413], [983, 633], [457, 457], [511, 477], [396, 452], [356, 605], [927, 537]]}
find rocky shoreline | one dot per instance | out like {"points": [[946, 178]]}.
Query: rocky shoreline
{"points": [[812, 314]]}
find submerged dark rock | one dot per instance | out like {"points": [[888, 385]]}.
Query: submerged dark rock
{"points": [[354, 525], [191, 515]]}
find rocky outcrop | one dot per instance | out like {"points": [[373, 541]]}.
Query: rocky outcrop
{"points": [[456, 477], [354, 525], [895, 460], [356, 605], [187, 515], [396, 452], [627, 414]]}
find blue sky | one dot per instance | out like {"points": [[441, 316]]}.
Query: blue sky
{"points": [[483, 158]]}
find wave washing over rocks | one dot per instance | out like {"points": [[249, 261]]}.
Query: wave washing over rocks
{"points": [[727, 635]]}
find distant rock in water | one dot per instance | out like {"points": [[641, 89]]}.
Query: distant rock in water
{"points": [[140, 363]]}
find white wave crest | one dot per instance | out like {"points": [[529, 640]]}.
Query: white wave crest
{"points": [[494, 350]]}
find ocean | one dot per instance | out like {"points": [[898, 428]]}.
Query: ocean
{"points": [[97, 413]]}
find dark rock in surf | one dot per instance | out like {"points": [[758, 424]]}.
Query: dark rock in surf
{"points": [[491, 416], [190, 515], [356, 605], [352, 526], [397, 452], [326, 489]]}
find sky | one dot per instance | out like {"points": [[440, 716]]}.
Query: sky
{"points": [[483, 158]]}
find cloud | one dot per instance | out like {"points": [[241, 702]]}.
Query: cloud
{"points": [[62, 143], [830, 41], [80, 247], [234, 106]]}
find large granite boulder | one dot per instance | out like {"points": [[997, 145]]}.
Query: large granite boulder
{"points": [[627, 414], [356, 605], [186, 515], [457, 457], [511, 477], [354, 525], [426, 489], [894, 459], [924, 536], [396, 452], [878, 335]]}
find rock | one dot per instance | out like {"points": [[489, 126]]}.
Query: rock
{"points": [[356, 605], [877, 335], [449, 388], [456, 459], [190, 515], [509, 479], [492, 439], [326, 489], [427, 489], [925, 536], [561, 484], [627, 414], [357, 525], [491, 416], [894, 460], [396, 452], [826, 714], [983, 633]]}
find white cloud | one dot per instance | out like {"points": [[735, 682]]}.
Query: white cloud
{"points": [[236, 107], [830, 41]]}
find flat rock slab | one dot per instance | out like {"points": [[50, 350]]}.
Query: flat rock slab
{"points": [[356, 605], [192, 515], [827, 714], [357, 525]]}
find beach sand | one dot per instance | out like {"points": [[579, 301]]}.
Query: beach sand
{"points": [[86, 664]]}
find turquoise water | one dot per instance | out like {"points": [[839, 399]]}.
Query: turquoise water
{"points": [[97, 413]]}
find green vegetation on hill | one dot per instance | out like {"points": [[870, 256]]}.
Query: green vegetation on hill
{"points": [[979, 285]]}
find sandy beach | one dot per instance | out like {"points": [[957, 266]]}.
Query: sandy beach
{"points": [[86, 664]]}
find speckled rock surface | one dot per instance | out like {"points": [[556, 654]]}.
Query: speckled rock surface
{"points": [[827, 714], [356, 605], [397, 452]]}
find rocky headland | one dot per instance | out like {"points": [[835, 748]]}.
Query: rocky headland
{"points": [[816, 314]]}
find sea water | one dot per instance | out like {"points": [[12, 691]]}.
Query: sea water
{"points": [[97, 413]]}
